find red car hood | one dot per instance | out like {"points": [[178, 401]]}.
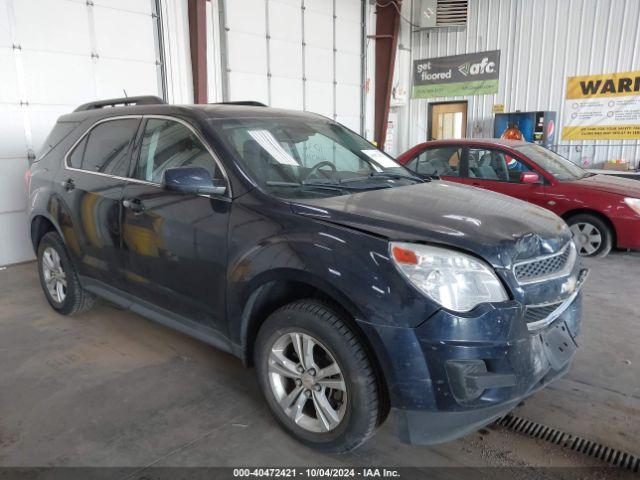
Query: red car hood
{"points": [[608, 183]]}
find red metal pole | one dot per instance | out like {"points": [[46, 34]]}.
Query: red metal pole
{"points": [[387, 29], [198, 44]]}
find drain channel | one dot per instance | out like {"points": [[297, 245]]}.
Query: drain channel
{"points": [[610, 455]]}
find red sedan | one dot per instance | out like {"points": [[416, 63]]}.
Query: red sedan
{"points": [[603, 211]]}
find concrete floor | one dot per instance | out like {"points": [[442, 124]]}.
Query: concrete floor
{"points": [[111, 388]]}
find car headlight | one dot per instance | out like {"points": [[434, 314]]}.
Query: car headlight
{"points": [[456, 281], [633, 203]]}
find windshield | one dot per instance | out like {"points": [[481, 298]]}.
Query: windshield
{"points": [[559, 167], [297, 157]]}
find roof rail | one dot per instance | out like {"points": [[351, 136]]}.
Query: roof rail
{"points": [[121, 102], [246, 103]]}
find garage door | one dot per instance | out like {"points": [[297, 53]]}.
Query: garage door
{"points": [[298, 54], [55, 55]]}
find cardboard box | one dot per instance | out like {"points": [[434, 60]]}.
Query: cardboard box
{"points": [[616, 165]]}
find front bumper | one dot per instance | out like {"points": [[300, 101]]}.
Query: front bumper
{"points": [[454, 374], [422, 427], [627, 231]]}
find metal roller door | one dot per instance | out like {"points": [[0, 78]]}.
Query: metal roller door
{"points": [[55, 55], [297, 54]]}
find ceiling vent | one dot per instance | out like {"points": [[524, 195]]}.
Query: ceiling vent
{"points": [[444, 13]]}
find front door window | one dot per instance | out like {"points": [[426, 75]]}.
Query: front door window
{"points": [[170, 144], [495, 165]]}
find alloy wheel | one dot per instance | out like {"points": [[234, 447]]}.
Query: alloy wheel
{"points": [[307, 382], [54, 276], [587, 236]]}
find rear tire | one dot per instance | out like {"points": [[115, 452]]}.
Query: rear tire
{"points": [[59, 279], [327, 397], [592, 236]]}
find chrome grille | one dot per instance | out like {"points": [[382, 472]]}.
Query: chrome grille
{"points": [[535, 314], [545, 267]]}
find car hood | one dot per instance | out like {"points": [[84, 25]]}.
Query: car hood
{"points": [[611, 184], [496, 227]]}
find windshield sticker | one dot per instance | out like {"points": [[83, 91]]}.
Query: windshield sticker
{"points": [[380, 158], [267, 141]]}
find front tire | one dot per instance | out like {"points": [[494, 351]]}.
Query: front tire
{"points": [[316, 377], [59, 279], [592, 236]]}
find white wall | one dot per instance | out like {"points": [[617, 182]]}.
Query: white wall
{"points": [[541, 43], [55, 55], [296, 54], [369, 86], [177, 51]]}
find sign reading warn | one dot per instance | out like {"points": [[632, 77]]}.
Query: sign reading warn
{"points": [[458, 75], [602, 107]]}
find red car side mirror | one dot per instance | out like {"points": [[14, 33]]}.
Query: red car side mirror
{"points": [[529, 177]]}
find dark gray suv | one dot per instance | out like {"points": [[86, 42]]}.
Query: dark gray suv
{"points": [[354, 287]]}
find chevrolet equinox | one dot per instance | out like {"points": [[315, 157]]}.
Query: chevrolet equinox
{"points": [[355, 288]]}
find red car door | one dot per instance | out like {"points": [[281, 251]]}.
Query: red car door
{"points": [[497, 170], [444, 161]]}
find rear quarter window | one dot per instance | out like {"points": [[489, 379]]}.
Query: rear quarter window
{"points": [[60, 131], [75, 159]]}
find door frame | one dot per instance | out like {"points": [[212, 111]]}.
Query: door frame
{"points": [[430, 106]]}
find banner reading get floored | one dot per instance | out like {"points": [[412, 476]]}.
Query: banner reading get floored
{"points": [[602, 107], [459, 75]]}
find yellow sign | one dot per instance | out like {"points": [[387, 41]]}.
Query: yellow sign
{"points": [[498, 107], [603, 132], [602, 107], [611, 85]]}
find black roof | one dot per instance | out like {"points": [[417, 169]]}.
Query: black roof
{"points": [[150, 105]]}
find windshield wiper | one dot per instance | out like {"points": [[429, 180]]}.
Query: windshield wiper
{"points": [[389, 175], [336, 187], [328, 186], [341, 184], [344, 184], [399, 175]]}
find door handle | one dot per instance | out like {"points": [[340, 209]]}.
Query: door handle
{"points": [[478, 185], [134, 204], [69, 185]]}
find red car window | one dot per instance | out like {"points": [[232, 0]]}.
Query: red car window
{"points": [[442, 161], [489, 164]]}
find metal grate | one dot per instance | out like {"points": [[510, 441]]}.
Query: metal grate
{"points": [[535, 314], [590, 448], [451, 13], [527, 271]]}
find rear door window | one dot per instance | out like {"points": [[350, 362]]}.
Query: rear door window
{"points": [[106, 148], [441, 161]]}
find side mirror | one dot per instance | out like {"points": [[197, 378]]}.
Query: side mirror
{"points": [[529, 177], [193, 180]]}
